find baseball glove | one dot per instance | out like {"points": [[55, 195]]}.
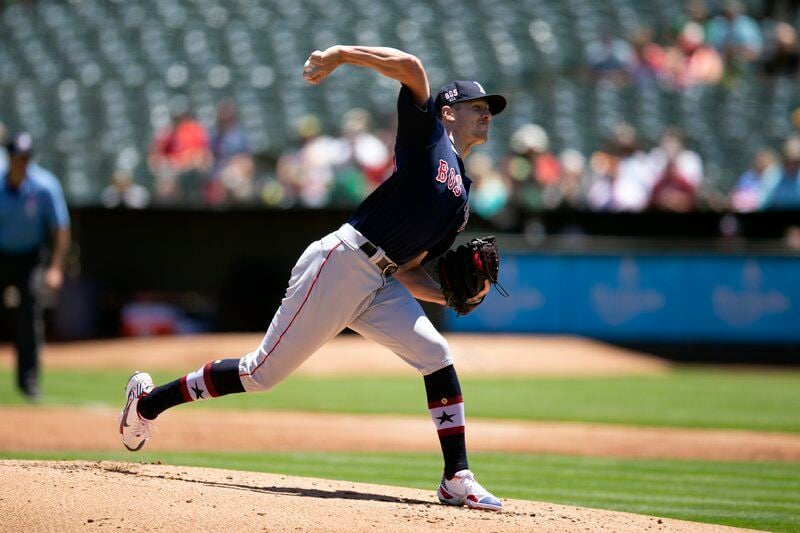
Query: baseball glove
{"points": [[464, 271]]}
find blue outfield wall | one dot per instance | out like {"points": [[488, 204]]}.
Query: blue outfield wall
{"points": [[658, 298]]}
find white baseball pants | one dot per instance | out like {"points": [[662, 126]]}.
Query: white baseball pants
{"points": [[334, 285]]}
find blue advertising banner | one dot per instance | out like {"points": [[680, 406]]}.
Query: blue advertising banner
{"points": [[666, 298]]}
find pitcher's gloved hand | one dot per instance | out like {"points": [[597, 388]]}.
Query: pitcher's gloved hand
{"points": [[467, 273]]}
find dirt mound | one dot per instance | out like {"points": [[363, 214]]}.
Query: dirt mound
{"points": [[81, 496], [484, 355], [53, 429]]}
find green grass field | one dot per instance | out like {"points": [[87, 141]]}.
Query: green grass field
{"points": [[756, 495], [760, 495], [764, 401]]}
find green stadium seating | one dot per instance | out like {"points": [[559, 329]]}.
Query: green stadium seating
{"points": [[91, 79]]}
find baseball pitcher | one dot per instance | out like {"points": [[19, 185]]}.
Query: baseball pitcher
{"points": [[367, 275]]}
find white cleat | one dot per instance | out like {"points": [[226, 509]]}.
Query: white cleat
{"points": [[464, 490], [134, 429]]}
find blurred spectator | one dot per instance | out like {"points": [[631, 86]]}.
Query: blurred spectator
{"points": [[610, 58], [307, 173], [364, 148], [690, 62], [178, 156], [736, 35], [362, 159], [571, 186], [696, 11], [650, 59], [671, 150], [490, 190], [784, 57], [122, 191], [748, 194], [603, 176], [785, 194], [672, 191], [634, 174], [233, 168], [530, 165], [621, 176]]}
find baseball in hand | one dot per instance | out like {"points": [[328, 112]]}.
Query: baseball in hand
{"points": [[309, 70]]}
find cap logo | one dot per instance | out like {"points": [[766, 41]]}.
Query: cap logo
{"points": [[480, 88], [24, 142], [451, 95]]}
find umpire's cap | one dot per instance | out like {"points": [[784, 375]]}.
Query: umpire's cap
{"points": [[462, 91], [20, 144]]}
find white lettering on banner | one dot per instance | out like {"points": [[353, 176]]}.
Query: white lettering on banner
{"points": [[739, 307], [627, 300]]}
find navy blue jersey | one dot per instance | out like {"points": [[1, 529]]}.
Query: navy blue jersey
{"points": [[423, 205]]}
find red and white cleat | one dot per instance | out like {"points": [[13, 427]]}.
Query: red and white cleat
{"points": [[464, 490], [134, 429]]}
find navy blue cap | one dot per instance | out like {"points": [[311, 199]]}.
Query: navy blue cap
{"points": [[20, 144], [463, 91]]}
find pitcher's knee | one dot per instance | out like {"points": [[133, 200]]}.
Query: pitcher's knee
{"points": [[436, 356], [255, 374], [258, 382]]}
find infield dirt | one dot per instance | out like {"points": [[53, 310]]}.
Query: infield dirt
{"points": [[103, 496], [351, 355]]}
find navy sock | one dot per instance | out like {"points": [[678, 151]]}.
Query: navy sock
{"points": [[447, 411], [213, 379]]}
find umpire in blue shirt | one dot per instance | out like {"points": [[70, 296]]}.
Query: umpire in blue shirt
{"points": [[34, 237]]}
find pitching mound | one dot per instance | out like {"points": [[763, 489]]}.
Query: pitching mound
{"points": [[352, 355], [81, 496]]}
